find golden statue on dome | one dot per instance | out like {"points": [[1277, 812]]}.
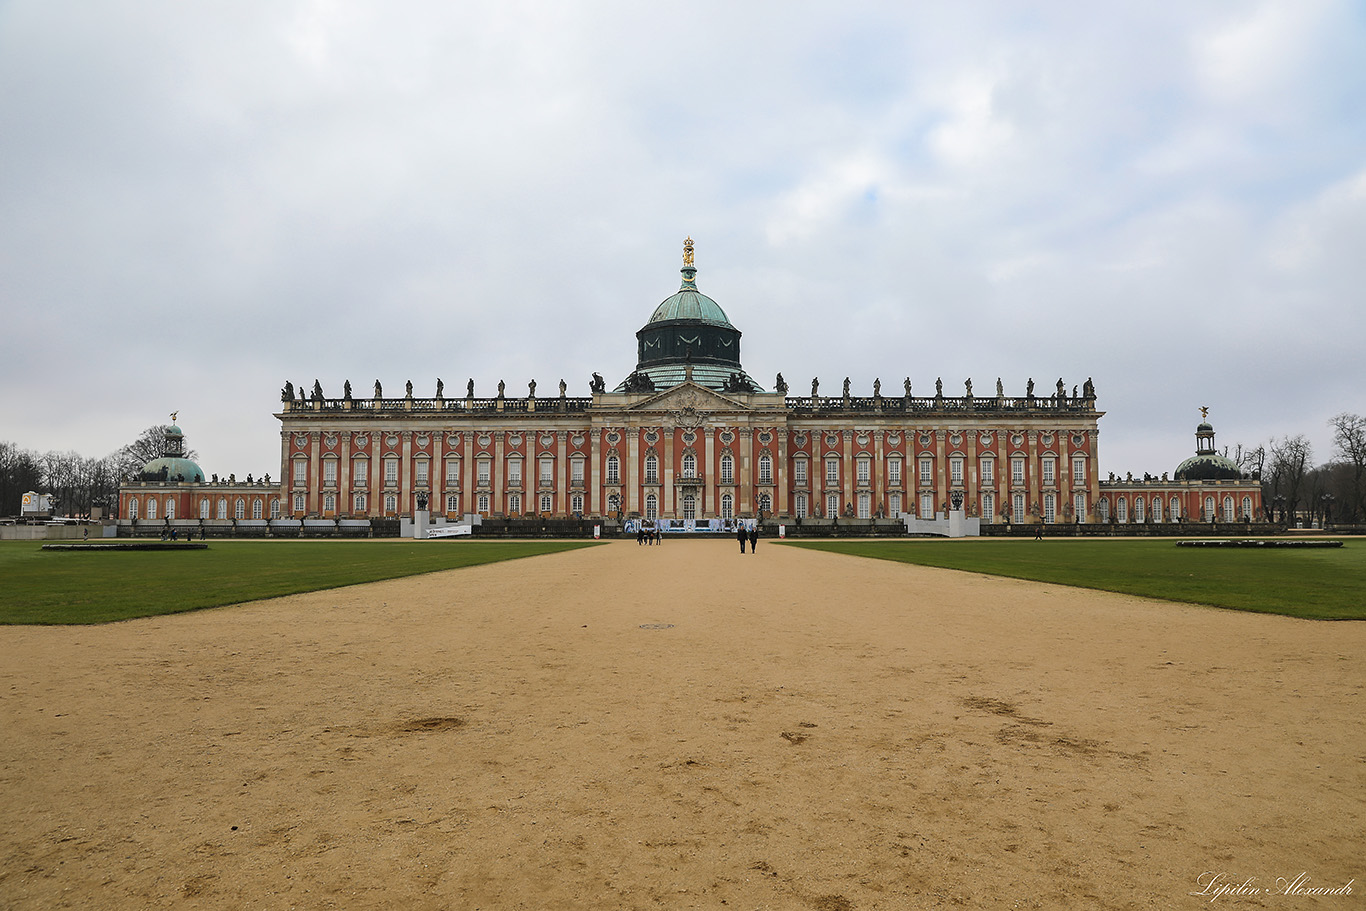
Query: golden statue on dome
{"points": [[687, 252]]}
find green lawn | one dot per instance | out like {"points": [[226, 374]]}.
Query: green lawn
{"points": [[38, 586], [1321, 584]]}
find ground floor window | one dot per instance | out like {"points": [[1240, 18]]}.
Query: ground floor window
{"points": [[545, 503], [203, 509], [1138, 510], [256, 508], [651, 506], [613, 504], [1104, 509], [1228, 509], [133, 509], [170, 509], [1175, 510], [727, 506], [275, 509], [484, 503], [576, 504], [1017, 506], [800, 507], [514, 504], [358, 503], [832, 506], [865, 506], [452, 502], [1079, 506], [988, 508], [894, 504], [1209, 509], [927, 506], [1157, 509], [151, 509], [1121, 510], [765, 503], [1050, 509], [390, 504], [329, 503], [1247, 509], [689, 506]]}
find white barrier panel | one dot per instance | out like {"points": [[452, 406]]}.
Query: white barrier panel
{"points": [[448, 531]]}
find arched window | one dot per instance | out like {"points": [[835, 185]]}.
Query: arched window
{"points": [[865, 510], [652, 469], [223, 506], [239, 509], [1017, 507], [170, 508], [727, 506], [299, 505], [988, 507], [576, 504], [256, 508], [894, 505], [514, 504], [1138, 509], [484, 504], [689, 465], [800, 507], [832, 471], [765, 468], [1103, 507], [832, 506], [358, 504], [613, 469], [765, 503], [390, 504], [651, 506], [452, 503], [133, 508], [329, 503], [1174, 509], [689, 506], [203, 509], [927, 506], [1247, 509], [151, 509], [613, 504], [1121, 510], [1050, 509], [275, 508], [545, 503], [1079, 506], [1228, 509], [1209, 509], [727, 468]]}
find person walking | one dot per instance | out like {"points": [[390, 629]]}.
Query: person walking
{"points": [[741, 536], [754, 538]]}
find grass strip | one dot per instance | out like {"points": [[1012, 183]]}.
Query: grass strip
{"points": [[51, 587], [1316, 584]]}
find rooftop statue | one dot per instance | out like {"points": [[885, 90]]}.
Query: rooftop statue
{"points": [[469, 389], [287, 393], [317, 390], [908, 387], [877, 387], [346, 390], [379, 390], [969, 386], [1029, 388], [939, 387], [408, 389], [597, 384], [531, 389], [1000, 390], [440, 387], [846, 387], [563, 388], [502, 387], [815, 386], [780, 385]]}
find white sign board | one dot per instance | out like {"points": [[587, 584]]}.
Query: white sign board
{"points": [[448, 531]]}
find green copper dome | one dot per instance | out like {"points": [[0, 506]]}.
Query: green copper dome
{"points": [[690, 304], [172, 466], [1208, 466]]}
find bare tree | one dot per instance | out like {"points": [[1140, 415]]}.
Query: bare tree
{"points": [[149, 445], [1289, 462], [1349, 444], [20, 472]]}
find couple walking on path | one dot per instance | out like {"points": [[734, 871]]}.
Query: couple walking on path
{"points": [[752, 535]]}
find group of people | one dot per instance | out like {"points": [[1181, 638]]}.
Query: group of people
{"points": [[649, 535], [750, 534]]}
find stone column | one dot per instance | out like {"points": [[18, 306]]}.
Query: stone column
{"points": [[468, 500], [745, 503], [498, 502], [562, 473], [781, 476], [315, 468], [710, 471], [666, 505], [847, 470], [631, 501], [405, 473], [344, 504], [597, 500], [941, 472], [1032, 496]]}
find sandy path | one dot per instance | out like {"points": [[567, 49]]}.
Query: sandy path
{"points": [[813, 731]]}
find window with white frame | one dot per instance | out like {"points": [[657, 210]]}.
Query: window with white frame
{"points": [[151, 509], [484, 503], [360, 473], [894, 472], [390, 472], [390, 504], [1050, 508], [727, 468], [989, 508], [133, 509], [203, 509], [1228, 509], [1247, 509], [1174, 509], [832, 505], [299, 503], [652, 469], [547, 472], [689, 506], [1138, 509], [894, 504], [1121, 510], [689, 465], [330, 472], [799, 472], [576, 504], [613, 469], [1079, 506], [300, 471], [614, 504], [330, 503], [800, 506], [1157, 509], [514, 472], [452, 472], [170, 508], [1079, 469], [765, 503], [576, 471], [1017, 471], [956, 471], [865, 505], [765, 468], [256, 508], [832, 471], [926, 471], [1209, 509], [864, 469], [275, 508], [546, 505], [727, 506], [927, 506], [223, 505], [988, 466], [422, 472], [1049, 465], [358, 503], [1017, 507], [651, 506], [514, 504], [452, 503], [484, 467]]}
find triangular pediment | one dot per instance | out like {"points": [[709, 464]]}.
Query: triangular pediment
{"points": [[689, 395]]}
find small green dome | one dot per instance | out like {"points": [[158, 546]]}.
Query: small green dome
{"points": [[1208, 466], [690, 304], [177, 469]]}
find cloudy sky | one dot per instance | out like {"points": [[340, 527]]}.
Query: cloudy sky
{"points": [[200, 201]]}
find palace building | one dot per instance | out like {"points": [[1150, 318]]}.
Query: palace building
{"points": [[690, 435]]}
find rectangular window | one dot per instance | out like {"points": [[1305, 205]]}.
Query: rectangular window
{"points": [[801, 506], [360, 472], [799, 473], [359, 503], [1017, 474], [576, 472], [1079, 470], [894, 472], [452, 503], [484, 466], [832, 471], [300, 471], [988, 508], [927, 506], [391, 471], [547, 473], [956, 471], [926, 471], [514, 473], [988, 471], [1049, 464], [329, 471], [894, 504], [452, 473], [765, 469], [422, 473], [864, 472]]}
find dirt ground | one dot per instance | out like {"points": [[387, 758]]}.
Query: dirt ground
{"points": [[628, 727]]}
